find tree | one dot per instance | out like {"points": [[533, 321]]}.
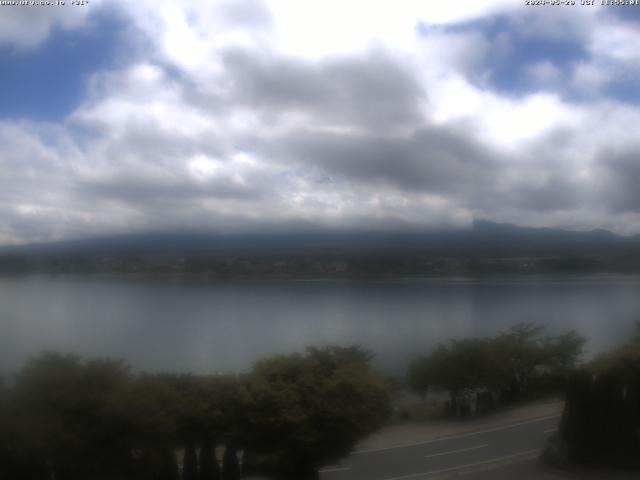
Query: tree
{"points": [[190, 463], [71, 419], [153, 406], [305, 410], [222, 409], [601, 420], [420, 375], [209, 468], [500, 367], [462, 367], [67, 415], [230, 463], [518, 354], [8, 460], [561, 354]]}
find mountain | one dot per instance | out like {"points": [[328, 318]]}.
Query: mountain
{"points": [[486, 245], [484, 238]]}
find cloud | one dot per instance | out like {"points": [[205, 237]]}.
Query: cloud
{"points": [[589, 77], [252, 116], [26, 26], [619, 173], [371, 90], [436, 160], [545, 73]]}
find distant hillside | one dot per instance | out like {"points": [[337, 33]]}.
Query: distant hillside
{"points": [[485, 247], [484, 238]]}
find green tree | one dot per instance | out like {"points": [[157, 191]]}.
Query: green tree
{"points": [[153, 406], [67, 415], [561, 353], [462, 367], [500, 367], [307, 410], [525, 356], [518, 353]]}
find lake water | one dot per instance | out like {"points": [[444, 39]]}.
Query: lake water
{"points": [[206, 326]]}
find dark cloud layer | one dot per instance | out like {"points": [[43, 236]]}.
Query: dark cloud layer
{"points": [[371, 90], [620, 173], [428, 160]]}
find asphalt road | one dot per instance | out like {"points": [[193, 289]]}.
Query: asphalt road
{"points": [[504, 452]]}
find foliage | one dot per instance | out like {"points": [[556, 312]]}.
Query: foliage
{"points": [[497, 368], [307, 410], [230, 464], [70, 419], [601, 420], [66, 415], [209, 468]]}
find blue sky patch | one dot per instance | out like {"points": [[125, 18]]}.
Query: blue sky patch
{"points": [[507, 70], [48, 82]]}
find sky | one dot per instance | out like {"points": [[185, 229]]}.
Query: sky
{"points": [[244, 116]]}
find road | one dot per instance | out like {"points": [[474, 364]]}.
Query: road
{"points": [[502, 452]]}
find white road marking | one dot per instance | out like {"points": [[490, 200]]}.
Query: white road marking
{"points": [[468, 465], [451, 452], [337, 469], [457, 436]]}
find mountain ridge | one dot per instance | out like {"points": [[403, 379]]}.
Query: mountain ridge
{"points": [[484, 238]]}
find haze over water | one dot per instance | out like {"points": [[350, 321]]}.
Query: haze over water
{"points": [[206, 326]]}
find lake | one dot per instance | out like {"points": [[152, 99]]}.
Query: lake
{"points": [[220, 325]]}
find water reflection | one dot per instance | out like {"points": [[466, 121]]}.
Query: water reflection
{"points": [[205, 326]]}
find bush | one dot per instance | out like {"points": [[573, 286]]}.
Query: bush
{"points": [[601, 421], [70, 419]]}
